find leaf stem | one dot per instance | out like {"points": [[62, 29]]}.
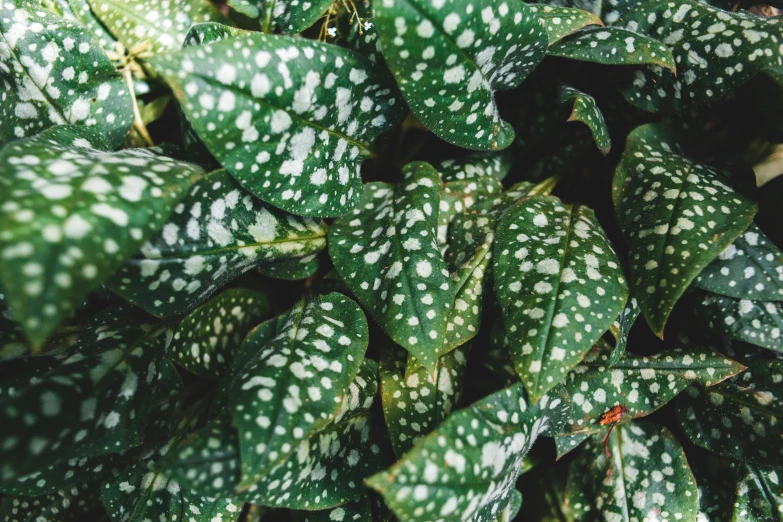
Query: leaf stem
{"points": [[138, 122], [268, 18]]}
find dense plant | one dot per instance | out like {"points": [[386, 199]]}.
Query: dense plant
{"points": [[414, 260]]}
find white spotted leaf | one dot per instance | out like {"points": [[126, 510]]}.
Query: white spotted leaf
{"points": [[456, 55], [293, 386], [691, 214], [755, 322], [716, 51], [53, 72], [64, 504], [750, 268], [329, 465], [482, 446], [204, 341], [641, 384], [559, 284], [585, 109], [73, 214], [621, 329], [218, 232], [560, 22], [415, 403], [740, 418], [295, 130], [158, 25], [90, 401], [386, 251], [614, 46], [141, 493], [759, 493], [289, 17], [646, 473]]}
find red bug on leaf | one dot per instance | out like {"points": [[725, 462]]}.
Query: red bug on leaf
{"points": [[611, 417]]}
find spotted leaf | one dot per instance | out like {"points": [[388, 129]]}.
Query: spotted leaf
{"points": [[559, 21], [641, 384], [359, 510], [759, 493], [647, 473], [72, 215], [621, 329], [416, 403], [158, 25], [63, 506], [716, 51], [676, 216], [296, 131], [142, 493], [329, 464], [559, 284], [449, 59], [292, 388], [755, 322], [750, 268], [482, 448], [586, 110], [287, 16], [386, 251], [739, 419], [54, 73], [475, 166], [329, 467], [614, 46], [90, 401], [205, 340], [217, 233]]}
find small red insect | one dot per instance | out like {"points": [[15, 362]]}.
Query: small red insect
{"points": [[611, 417]]}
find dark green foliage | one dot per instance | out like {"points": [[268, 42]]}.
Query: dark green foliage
{"points": [[357, 260]]}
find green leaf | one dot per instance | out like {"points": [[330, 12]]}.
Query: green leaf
{"points": [[750, 268], [755, 322], [72, 217], [79, 12], [63, 506], [205, 340], [359, 510], [691, 214], [759, 494], [415, 403], [449, 59], [328, 466], [292, 269], [621, 329], [295, 131], [560, 22], [91, 401], [739, 419], [292, 388], [286, 16], [646, 475], [723, 51], [386, 251], [159, 24], [466, 469], [559, 284], [614, 46], [55, 73], [12, 343], [475, 166], [586, 110], [141, 493], [217, 233], [641, 384]]}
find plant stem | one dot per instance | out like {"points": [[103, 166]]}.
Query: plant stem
{"points": [[138, 123]]}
